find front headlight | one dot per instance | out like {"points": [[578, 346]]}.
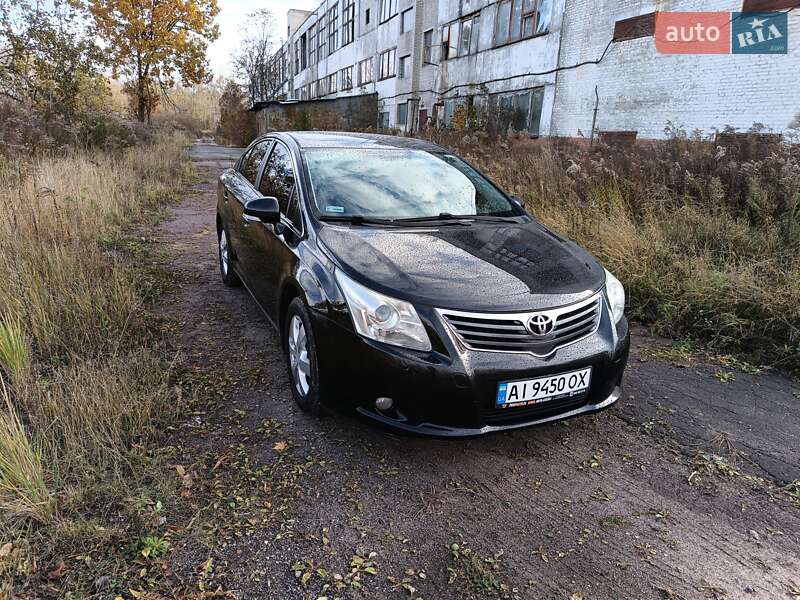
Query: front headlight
{"points": [[616, 296], [382, 318]]}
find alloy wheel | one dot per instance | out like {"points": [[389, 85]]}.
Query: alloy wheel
{"points": [[224, 252], [299, 358]]}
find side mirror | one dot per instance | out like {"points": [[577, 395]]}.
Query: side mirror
{"points": [[264, 209], [519, 202]]}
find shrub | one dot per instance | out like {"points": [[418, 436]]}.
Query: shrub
{"points": [[237, 125]]}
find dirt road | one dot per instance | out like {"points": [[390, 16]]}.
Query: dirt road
{"points": [[631, 503]]}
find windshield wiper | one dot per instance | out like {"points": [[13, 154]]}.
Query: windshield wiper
{"points": [[456, 220], [358, 220], [496, 218], [459, 219]]}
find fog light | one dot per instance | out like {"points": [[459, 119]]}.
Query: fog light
{"points": [[384, 404]]}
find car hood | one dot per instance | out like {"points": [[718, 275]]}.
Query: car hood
{"points": [[485, 266]]}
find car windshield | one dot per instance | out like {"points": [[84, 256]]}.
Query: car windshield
{"points": [[400, 184]]}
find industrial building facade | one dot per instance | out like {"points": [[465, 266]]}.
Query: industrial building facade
{"points": [[554, 67]]}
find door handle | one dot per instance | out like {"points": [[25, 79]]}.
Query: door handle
{"points": [[247, 219], [225, 194]]}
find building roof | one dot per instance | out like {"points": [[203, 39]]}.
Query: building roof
{"points": [[340, 139]]}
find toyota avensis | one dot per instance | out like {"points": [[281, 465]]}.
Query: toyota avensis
{"points": [[409, 287]]}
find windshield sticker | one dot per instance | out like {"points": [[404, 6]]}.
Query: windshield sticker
{"points": [[334, 209]]}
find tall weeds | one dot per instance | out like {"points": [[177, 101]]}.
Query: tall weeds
{"points": [[23, 491], [89, 384], [705, 236]]}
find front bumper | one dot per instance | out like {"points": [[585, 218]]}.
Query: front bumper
{"points": [[434, 430], [451, 391]]}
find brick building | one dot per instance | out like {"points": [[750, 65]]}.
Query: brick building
{"points": [[538, 62]]}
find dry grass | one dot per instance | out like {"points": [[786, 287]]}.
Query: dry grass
{"points": [[23, 491], [705, 238], [89, 384], [14, 352]]}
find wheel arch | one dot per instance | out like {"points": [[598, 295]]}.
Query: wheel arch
{"points": [[304, 286]]}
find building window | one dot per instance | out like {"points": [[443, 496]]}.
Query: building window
{"points": [[388, 9], [303, 52], [427, 47], [297, 56], [402, 114], [365, 71], [404, 68], [366, 17], [519, 19], [348, 22], [449, 41], [468, 39], [333, 29], [312, 44], [347, 78], [388, 58], [522, 110], [332, 84], [321, 38], [449, 111], [407, 20], [460, 38], [322, 87], [383, 120]]}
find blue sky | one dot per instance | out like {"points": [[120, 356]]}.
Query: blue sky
{"points": [[233, 14]]}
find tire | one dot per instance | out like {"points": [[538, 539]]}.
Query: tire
{"points": [[229, 276], [300, 348]]}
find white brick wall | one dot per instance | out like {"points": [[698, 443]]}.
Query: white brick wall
{"points": [[641, 89]]}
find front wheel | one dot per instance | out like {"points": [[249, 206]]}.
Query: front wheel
{"points": [[300, 349]]}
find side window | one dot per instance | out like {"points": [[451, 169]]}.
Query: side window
{"points": [[251, 162], [294, 215], [278, 178]]}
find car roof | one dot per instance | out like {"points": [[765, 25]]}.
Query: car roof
{"points": [[339, 139]]}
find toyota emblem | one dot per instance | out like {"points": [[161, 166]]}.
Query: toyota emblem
{"points": [[540, 325]]}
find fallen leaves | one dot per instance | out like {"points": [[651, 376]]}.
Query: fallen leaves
{"points": [[187, 480], [6, 549], [58, 572]]}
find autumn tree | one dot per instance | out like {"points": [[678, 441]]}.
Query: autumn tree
{"points": [[48, 57], [251, 59], [152, 42]]}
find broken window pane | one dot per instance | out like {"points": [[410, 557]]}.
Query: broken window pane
{"points": [[545, 10]]}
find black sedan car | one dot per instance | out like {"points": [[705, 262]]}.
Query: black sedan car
{"points": [[409, 287]]}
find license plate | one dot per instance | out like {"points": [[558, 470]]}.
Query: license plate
{"points": [[543, 389]]}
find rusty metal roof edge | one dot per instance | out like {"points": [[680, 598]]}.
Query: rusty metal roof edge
{"points": [[292, 101]]}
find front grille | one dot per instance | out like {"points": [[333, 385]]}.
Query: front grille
{"points": [[512, 332]]}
